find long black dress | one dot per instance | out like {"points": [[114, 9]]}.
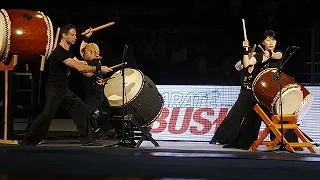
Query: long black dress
{"points": [[230, 126]]}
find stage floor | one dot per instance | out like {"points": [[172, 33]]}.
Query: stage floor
{"points": [[66, 159]]}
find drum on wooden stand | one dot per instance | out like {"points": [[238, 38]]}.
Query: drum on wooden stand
{"points": [[266, 88], [142, 99], [26, 33], [305, 104]]}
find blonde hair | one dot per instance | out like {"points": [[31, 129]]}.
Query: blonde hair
{"points": [[94, 48]]}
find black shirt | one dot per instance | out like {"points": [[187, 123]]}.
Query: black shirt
{"points": [[58, 71], [247, 78], [90, 85], [269, 63]]}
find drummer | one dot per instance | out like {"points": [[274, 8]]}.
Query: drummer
{"points": [[268, 58], [58, 93], [92, 81]]}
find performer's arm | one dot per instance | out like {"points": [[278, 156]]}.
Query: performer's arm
{"points": [[239, 65], [276, 55], [84, 68], [85, 41], [246, 61]]}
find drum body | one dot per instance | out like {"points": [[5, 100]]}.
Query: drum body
{"points": [[26, 33], [266, 88], [141, 99], [305, 104]]}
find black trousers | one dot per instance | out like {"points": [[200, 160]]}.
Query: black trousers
{"points": [[249, 129], [230, 126], [75, 108], [93, 102]]}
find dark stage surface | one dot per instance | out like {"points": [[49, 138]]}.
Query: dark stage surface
{"points": [[178, 160]]}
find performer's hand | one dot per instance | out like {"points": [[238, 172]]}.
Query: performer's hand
{"points": [[105, 69], [88, 32], [100, 81], [245, 44]]}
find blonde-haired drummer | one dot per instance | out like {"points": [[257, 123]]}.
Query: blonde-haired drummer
{"points": [[93, 89]]}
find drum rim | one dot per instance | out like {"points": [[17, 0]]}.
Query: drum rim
{"points": [[50, 35], [6, 44], [156, 117]]}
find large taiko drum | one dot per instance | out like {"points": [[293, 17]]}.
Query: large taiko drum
{"points": [[266, 88], [26, 33], [141, 98], [305, 104]]}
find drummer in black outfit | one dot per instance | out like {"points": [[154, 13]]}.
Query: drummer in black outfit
{"points": [[243, 107], [230, 126], [59, 94], [93, 89], [269, 58]]}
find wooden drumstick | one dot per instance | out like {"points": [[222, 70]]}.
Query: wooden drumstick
{"points": [[43, 60], [100, 27], [244, 31], [56, 38], [252, 50], [118, 65], [112, 67], [261, 47]]}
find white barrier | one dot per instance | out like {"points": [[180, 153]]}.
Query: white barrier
{"points": [[192, 113]]}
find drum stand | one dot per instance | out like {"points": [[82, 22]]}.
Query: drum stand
{"points": [[282, 144], [7, 68]]}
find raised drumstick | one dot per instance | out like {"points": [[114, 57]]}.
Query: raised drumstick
{"points": [[244, 31], [261, 47], [56, 38], [252, 50], [100, 27]]}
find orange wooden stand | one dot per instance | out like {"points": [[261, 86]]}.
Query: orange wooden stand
{"points": [[274, 125]]}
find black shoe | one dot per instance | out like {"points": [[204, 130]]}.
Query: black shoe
{"points": [[213, 141], [97, 135], [228, 146]]}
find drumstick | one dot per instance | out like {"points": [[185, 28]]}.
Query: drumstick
{"points": [[100, 27], [263, 51], [112, 67], [118, 65], [252, 50], [261, 47], [56, 38], [244, 31]]}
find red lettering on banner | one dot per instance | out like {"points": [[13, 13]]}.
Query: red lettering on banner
{"points": [[161, 120], [166, 120], [185, 123], [205, 122], [222, 114]]}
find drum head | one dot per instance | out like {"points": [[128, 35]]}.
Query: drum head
{"points": [[113, 89], [304, 107], [291, 101]]}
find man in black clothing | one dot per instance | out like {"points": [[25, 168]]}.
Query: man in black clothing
{"points": [[58, 92]]}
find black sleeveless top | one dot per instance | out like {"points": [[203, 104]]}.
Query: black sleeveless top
{"points": [[247, 78]]}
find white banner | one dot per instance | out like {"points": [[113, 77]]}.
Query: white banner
{"points": [[193, 113]]}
